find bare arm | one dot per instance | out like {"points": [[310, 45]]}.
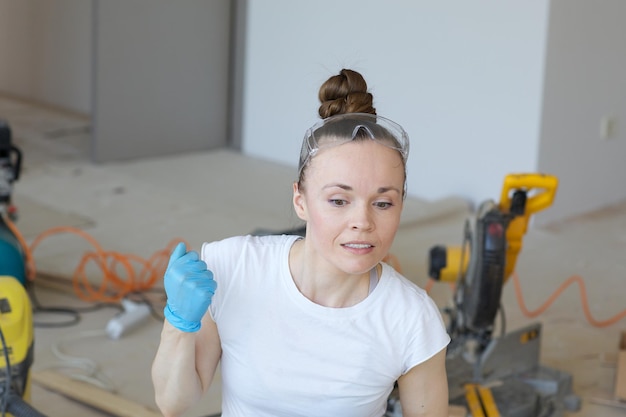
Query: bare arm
{"points": [[424, 389], [184, 366]]}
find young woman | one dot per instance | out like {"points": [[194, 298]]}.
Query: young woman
{"points": [[314, 326]]}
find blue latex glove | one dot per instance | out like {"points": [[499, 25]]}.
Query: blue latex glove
{"points": [[189, 287]]}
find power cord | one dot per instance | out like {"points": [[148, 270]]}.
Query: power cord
{"points": [[74, 313], [137, 274], [89, 370], [8, 374], [574, 279], [11, 402]]}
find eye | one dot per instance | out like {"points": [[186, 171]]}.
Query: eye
{"points": [[383, 204], [337, 202]]}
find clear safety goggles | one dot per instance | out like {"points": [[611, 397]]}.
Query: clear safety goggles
{"points": [[342, 128]]}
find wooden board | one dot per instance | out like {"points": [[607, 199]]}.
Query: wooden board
{"points": [[91, 395]]}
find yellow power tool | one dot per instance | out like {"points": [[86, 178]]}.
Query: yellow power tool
{"points": [[486, 260], [522, 196], [16, 314], [16, 347], [487, 373]]}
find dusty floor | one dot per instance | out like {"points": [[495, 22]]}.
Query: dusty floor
{"points": [[139, 207]]}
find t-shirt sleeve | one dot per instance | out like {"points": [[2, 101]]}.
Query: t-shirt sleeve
{"points": [[429, 336], [220, 257]]}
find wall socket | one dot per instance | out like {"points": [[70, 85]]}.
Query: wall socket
{"points": [[608, 127]]}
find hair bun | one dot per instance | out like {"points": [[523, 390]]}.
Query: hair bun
{"points": [[345, 93]]}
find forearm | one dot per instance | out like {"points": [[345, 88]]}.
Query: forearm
{"points": [[177, 384], [189, 349]]}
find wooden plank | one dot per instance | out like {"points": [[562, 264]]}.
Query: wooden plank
{"points": [[604, 398], [457, 411], [91, 395]]}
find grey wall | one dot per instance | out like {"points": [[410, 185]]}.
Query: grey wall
{"points": [[153, 75], [18, 52], [63, 70], [45, 51], [160, 77]]}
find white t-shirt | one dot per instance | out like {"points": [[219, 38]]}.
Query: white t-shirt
{"points": [[283, 355]]}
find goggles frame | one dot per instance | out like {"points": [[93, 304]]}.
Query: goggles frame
{"points": [[343, 128]]}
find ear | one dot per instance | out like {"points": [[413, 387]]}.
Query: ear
{"points": [[299, 204]]}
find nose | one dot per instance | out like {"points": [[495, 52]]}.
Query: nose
{"points": [[362, 218]]}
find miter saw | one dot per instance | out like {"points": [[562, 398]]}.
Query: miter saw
{"points": [[16, 321], [489, 374], [498, 374]]}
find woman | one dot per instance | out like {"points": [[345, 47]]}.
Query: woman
{"points": [[314, 326]]}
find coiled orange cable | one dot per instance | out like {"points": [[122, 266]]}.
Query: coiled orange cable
{"points": [[114, 285]]}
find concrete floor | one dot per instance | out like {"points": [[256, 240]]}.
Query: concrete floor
{"points": [[139, 207]]}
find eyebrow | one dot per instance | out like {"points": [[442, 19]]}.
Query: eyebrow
{"points": [[345, 187]]}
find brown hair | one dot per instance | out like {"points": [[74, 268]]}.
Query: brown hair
{"points": [[345, 93]]}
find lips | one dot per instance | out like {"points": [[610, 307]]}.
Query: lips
{"points": [[357, 245]]}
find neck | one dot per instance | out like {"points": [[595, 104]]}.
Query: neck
{"points": [[326, 285]]}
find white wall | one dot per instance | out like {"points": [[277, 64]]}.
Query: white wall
{"points": [[463, 78], [585, 80]]}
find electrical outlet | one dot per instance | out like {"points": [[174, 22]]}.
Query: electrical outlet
{"points": [[608, 127]]}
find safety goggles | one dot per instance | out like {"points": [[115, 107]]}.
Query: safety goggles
{"points": [[342, 128]]}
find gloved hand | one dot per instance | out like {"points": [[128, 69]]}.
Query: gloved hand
{"points": [[189, 287]]}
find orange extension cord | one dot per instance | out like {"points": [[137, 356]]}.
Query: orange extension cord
{"points": [[574, 279], [114, 287]]}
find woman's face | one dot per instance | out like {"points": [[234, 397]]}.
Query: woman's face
{"points": [[351, 200]]}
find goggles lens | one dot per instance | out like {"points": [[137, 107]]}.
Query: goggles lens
{"points": [[342, 128]]}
